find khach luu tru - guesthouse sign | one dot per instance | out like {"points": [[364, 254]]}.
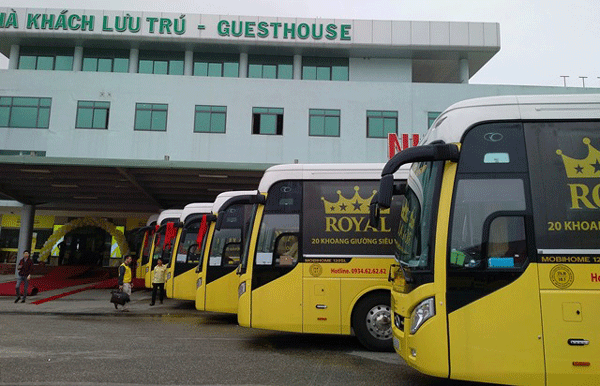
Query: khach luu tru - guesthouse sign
{"points": [[80, 22]]}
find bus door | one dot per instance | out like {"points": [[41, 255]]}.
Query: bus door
{"points": [[144, 252], [492, 299], [276, 279], [147, 254], [565, 173], [182, 278], [224, 258]]}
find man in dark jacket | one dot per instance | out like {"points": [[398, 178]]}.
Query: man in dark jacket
{"points": [[23, 276]]}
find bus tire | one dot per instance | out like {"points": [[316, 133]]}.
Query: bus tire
{"points": [[372, 322]]}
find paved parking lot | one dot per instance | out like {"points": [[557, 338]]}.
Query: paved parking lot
{"points": [[81, 340]]}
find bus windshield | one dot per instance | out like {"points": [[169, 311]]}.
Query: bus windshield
{"points": [[413, 244]]}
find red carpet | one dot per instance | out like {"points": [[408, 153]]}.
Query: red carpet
{"points": [[62, 277]]}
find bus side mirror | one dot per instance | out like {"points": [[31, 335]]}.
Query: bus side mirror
{"points": [[386, 191], [374, 212]]}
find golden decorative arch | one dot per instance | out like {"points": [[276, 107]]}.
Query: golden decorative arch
{"points": [[82, 222]]}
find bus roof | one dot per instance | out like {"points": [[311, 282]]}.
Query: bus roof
{"points": [[168, 214], [223, 197], [455, 120], [195, 208], [152, 219], [365, 171]]}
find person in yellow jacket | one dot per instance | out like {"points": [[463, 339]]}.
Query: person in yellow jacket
{"points": [[158, 281], [125, 278]]}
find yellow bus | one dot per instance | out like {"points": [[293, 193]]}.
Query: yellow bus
{"points": [[216, 279], [167, 228], [498, 245], [143, 255], [312, 263], [181, 275]]}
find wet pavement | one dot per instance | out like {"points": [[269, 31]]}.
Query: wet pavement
{"points": [[81, 340], [79, 300]]}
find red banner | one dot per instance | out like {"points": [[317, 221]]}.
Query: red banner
{"points": [[201, 231]]}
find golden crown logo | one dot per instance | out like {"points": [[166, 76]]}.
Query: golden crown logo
{"points": [[588, 167], [354, 205]]}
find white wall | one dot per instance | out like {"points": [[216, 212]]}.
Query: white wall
{"points": [[182, 93]]}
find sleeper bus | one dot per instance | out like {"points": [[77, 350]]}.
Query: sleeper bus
{"points": [[143, 254], [165, 230], [216, 279], [312, 263], [181, 276], [498, 245]]}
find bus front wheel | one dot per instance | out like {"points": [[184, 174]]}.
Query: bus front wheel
{"points": [[372, 322]]}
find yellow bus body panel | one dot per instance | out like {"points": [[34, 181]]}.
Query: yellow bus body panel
{"points": [[278, 304], [245, 299], [431, 340], [200, 290], [430, 343], [321, 305], [170, 283], [200, 283], [330, 297], [571, 313], [221, 294], [498, 338], [184, 285]]}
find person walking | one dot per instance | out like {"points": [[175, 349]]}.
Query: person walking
{"points": [[125, 278], [158, 281], [25, 268]]}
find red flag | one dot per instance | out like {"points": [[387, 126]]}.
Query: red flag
{"points": [[201, 231], [170, 233]]}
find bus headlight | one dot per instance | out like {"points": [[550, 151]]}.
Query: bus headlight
{"points": [[199, 283], [422, 312], [169, 276], [242, 289]]}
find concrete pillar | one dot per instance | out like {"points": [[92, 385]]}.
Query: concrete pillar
{"points": [[134, 55], [13, 60], [27, 215], [463, 71], [243, 65], [188, 63], [78, 58], [297, 67]]}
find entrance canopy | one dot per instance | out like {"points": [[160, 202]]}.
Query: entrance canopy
{"points": [[119, 185]]}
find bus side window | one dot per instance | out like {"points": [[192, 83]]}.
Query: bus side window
{"points": [[286, 249], [273, 228], [506, 243], [231, 254], [478, 201]]}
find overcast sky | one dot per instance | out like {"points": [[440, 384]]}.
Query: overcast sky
{"points": [[540, 40]]}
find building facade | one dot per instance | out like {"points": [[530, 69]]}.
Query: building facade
{"points": [[93, 86]]}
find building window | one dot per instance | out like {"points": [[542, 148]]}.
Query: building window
{"points": [[164, 63], [210, 119], [270, 67], [39, 58], [105, 60], [217, 65], [317, 68], [381, 123], [324, 123], [92, 115], [267, 121], [151, 116], [25, 112], [431, 117]]}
